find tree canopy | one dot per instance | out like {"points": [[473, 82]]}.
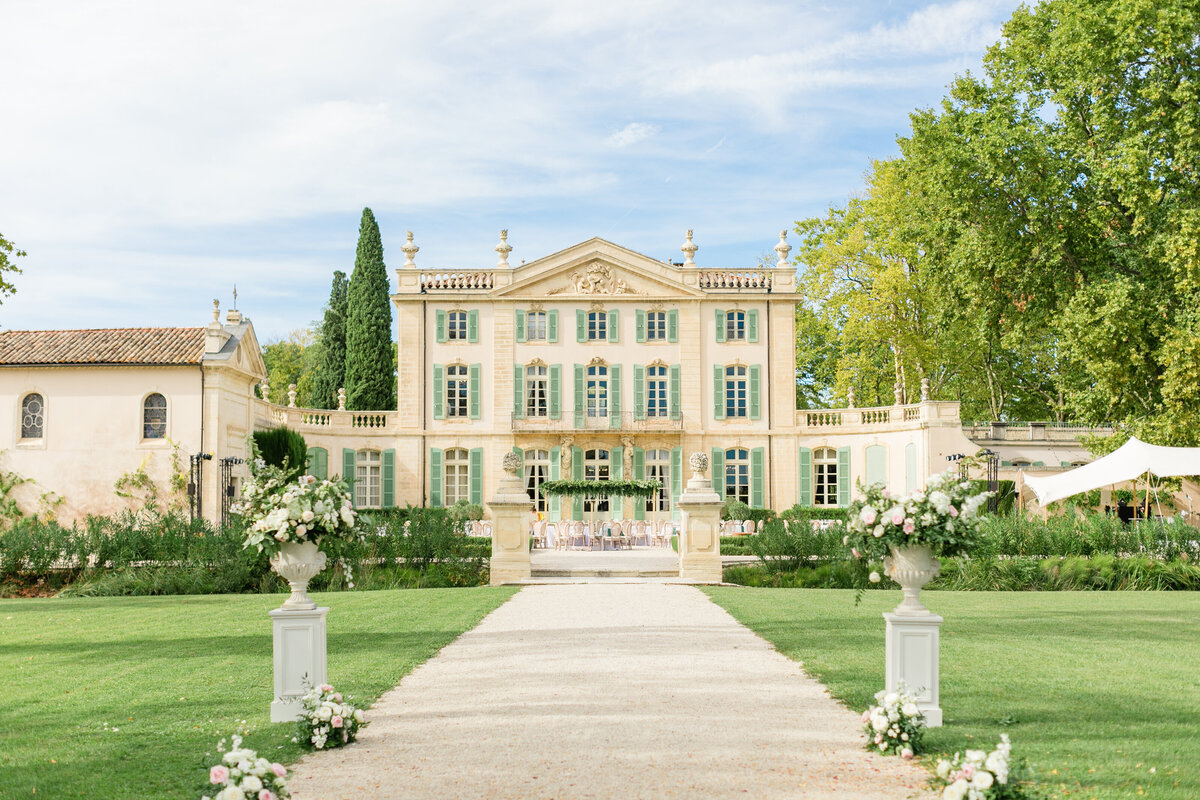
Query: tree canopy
{"points": [[370, 375], [8, 252], [330, 374]]}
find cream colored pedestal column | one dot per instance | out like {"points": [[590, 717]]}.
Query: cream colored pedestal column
{"points": [[700, 526], [299, 641], [510, 526], [912, 660]]}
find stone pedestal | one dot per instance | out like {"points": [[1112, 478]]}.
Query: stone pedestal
{"points": [[299, 639], [700, 530], [510, 531], [912, 660]]}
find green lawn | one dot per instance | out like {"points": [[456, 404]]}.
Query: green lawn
{"points": [[1095, 688], [169, 676]]}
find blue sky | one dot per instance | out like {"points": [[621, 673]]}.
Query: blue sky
{"points": [[155, 154]]}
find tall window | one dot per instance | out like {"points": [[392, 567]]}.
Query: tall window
{"points": [[658, 468], [33, 420], [735, 325], [456, 326], [154, 417], [597, 326], [656, 326], [735, 391], [656, 391], [457, 485], [537, 470], [367, 481], [595, 468], [597, 391], [535, 326], [737, 475], [825, 469], [537, 393], [457, 386]]}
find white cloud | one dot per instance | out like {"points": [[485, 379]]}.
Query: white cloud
{"points": [[632, 133]]}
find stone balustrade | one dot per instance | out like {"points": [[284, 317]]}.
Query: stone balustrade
{"points": [[458, 280], [858, 419], [626, 423], [760, 280], [312, 420]]}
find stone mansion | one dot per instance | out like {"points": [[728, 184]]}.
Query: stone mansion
{"points": [[594, 362]]}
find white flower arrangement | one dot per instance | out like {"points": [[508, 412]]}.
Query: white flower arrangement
{"points": [[329, 720], [896, 725], [945, 516], [303, 510], [980, 775], [242, 775]]}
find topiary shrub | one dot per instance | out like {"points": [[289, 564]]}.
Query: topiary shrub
{"points": [[282, 447]]}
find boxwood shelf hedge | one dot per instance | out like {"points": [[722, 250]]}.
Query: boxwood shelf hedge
{"points": [[610, 488]]}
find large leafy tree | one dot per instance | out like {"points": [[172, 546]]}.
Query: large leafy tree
{"points": [[330, 374], [8, 252], [292, 360], [370, 375]]}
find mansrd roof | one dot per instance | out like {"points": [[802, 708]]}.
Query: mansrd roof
{"points": [[102, 346]]}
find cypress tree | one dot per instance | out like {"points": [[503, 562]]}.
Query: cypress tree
{"points": [[330, 374], [370, 382]]}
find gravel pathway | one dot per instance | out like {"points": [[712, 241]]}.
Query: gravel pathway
{"points": [[607, 691]]}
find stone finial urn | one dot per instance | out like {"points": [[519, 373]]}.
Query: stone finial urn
{"points": [[699, 464], [912, 567], [511, 463], [297, 563]]}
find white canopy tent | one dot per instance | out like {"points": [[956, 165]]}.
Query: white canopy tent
{"points": [[1128, 462]]}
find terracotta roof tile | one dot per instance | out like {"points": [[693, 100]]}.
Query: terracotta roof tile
{"points": [[103, 346]]}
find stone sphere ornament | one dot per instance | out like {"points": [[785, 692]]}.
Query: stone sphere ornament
{"points": [[511, 462], [699, 464]]}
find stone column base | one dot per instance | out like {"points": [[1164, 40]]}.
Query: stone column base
{"points": [[299, 642], [702, 567], [506, 568], [912, 660]]}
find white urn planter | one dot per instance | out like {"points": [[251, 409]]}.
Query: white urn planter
{"points": [[297, 563], [912, 567]]}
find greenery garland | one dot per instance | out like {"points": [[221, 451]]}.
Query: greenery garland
{"points": [[614, 488]]}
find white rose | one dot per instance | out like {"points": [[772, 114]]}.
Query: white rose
{"points": [[231, 793], [307, 516], [324, 712], [975, 757], [955, 791], [358, 715], [910, 709], [874, 577], [891, 698], [982, 779], [943, 769], [879, 723], [252, 784], [878, 531]]}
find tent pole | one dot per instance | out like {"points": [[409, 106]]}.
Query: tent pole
{"points": [[1020, 491], [1146, 499]]}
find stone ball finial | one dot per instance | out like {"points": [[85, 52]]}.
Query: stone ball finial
{"points": [[783, 248], [216, 311], [504, 248], [341, 399], [850, 397], [699, 464], [409, 249], [511, 462], [291, 395], [689, 249]]}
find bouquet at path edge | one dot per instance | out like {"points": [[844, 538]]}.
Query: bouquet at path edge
{"points": [[329, 719], [242, 775], [302, 510], [978, 775], [896, 725]]}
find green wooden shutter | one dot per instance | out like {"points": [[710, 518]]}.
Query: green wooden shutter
{"points": [[757, 459], [476, 476], [639, 391], [752, 325], [473, 391], [579, 407], [348, 473], [614, 396], [439, 325], [843, 476], [673, 325], [439, 391], [518, 391], [552, 325], [520, 325], [910, 467], [875, 468], [554, 503], [318, 462], [435, 478], [676, 390], [556, 391], [580, 325], [718, 391], [614, 327], [641, 325], [616, 471], [577, 475], [806, 477], [473, 325], [639, 474], [718, 471], [387, 474], [676, 480], [720, 314], [755, 373]]}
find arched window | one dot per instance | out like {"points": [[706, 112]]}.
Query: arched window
{"points": [[456, 326], [658, 468], [735, 391], [737, 474], [537, 391], [825, 469], [457, 485], [33, 419], [735, 325], [457, 390], [597, 390], [656, 391], [597, 326], [537, 470], [368, 483], [595, 468], [154, 416]]}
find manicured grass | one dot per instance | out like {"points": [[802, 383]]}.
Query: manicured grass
{"points": [[172, 675], [1095, 689]]}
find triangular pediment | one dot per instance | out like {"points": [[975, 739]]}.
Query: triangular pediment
{"points": [[595, 268]]}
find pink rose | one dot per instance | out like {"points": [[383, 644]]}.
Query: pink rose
{"points": [[909, 526], [906, 753], [336, 722], [267, 794], [855, 552], [337, 697], [218, 774], [325, 687], [279, 770], [866, 715], [898, 518], [953, 511]]}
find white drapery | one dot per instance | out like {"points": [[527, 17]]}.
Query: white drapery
{"points": [[1128, 462]]}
